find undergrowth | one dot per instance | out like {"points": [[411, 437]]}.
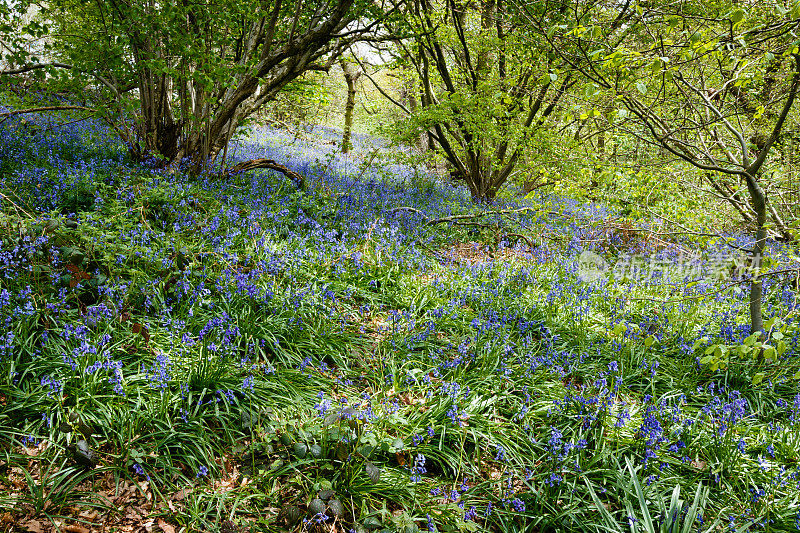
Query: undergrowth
{"points": [[237, 354]]}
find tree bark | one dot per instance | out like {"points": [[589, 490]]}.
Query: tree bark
{"points": [[351, 75], [759, 201]]}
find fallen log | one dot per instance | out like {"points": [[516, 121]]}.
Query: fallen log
{"points": [[270, 164]]}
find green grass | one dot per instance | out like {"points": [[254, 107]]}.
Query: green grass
{"points": [[197, 357]]}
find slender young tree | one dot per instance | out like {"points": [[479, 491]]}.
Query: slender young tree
{"points": [[351, 75]]}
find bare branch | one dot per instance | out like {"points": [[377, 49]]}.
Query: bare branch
{"points": [[29, 68], [7, 114]]}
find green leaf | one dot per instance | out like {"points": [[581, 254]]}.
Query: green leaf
{"points": [[656, 65], [769, 352], [781, 347], [698, 342], [751, 340], [758, 378], [641, 87], [647, 521]]}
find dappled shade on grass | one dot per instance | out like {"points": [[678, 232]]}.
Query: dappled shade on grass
{"points": [[252, 348]]}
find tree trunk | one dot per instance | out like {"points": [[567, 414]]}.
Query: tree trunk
{"points": [[351, 75], [759, 201], [423, 141]]}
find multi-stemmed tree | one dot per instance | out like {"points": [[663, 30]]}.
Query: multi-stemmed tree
{"points": [[177, 78], [484, 90]]}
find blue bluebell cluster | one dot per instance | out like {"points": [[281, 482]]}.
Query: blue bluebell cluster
{"points": [[128, 280]]}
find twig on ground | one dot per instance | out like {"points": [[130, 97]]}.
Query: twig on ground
{"points": [[15, 206]]}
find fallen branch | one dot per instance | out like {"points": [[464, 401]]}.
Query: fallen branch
{"points": [[15, 206], [458, 219], [254, 164], [722, 289], [410, 210], [6, 114], [470, 220], [795, 271], [525, 238]]}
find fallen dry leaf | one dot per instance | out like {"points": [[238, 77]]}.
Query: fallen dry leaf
{"points": [[133, 515], [75, 528], [165, 527], [33, 526], [89, 515], [181, 494]]}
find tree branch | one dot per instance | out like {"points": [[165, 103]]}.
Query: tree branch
{"points": [[762, 155], [7, 114], [254, 164], [29, 68]]}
